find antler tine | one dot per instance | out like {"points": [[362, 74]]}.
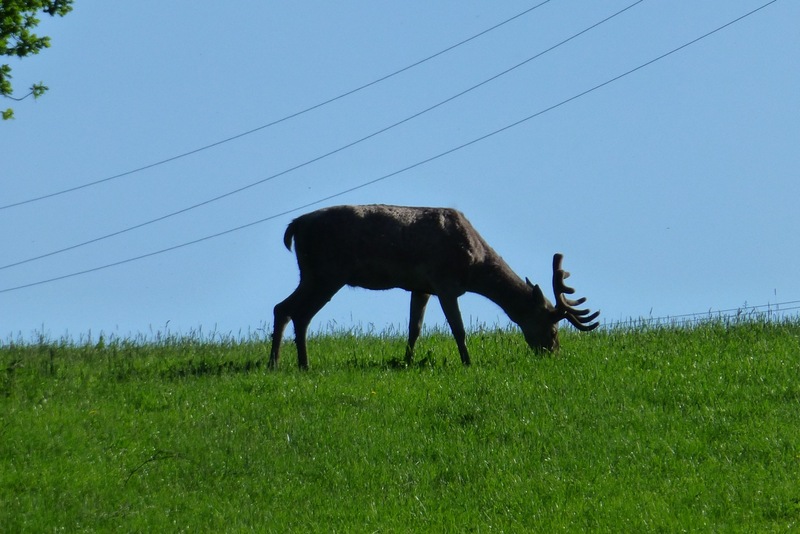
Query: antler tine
{"points": [[579, 318], [559, 275], [580, 322], [568, 306]]}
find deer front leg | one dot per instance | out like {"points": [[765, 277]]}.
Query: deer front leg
{"points": [[453, 316], [418, 303]]}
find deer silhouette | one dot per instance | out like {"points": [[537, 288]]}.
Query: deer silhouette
{"points": [[427, 251]]}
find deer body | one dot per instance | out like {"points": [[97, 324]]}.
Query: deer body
{"points": [[427, 251]]}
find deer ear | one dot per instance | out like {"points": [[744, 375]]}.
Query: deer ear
{"points": [[537, 291]]}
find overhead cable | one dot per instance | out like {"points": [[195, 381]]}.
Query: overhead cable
{"points": [[405, 169], [275, 122], [323, 156]]}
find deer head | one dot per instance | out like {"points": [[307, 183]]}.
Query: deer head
{"points": [[541, 327]]}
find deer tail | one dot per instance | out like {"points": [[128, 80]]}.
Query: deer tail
{"points": [[289, 235]]}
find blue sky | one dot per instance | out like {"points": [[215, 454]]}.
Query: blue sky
{"points": [[671, 190]]}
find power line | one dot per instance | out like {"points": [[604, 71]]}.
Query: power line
{"points": [[277, 121], [327, 154], [405, 169]]}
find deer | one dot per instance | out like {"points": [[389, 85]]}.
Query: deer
{"points": [[426, 251]]}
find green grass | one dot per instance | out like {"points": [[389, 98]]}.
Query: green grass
{"points": [[630, 429]]}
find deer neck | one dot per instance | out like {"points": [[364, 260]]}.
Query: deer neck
{"points": [[497, 282]]}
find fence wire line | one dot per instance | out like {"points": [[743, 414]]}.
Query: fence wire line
{"points": [[768, 311]]}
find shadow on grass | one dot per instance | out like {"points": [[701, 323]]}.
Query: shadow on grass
{"points": [[429, 361], [207, 367], [199, 368]]}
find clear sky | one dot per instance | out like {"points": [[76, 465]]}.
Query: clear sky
{"points": [[670, 190]]}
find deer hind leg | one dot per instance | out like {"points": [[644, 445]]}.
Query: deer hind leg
{"points": [[418, 303], [299, 307], [315, 301], [453, 316], [283, 313]]}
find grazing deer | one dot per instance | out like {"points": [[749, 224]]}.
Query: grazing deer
{"points": [[427, 251]]}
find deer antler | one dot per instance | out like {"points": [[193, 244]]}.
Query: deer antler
{"points": [[565, 307]]}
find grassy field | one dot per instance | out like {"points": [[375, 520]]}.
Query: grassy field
{"points": [[630, 429]]}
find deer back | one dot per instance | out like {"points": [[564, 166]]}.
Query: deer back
{"points": [[380, 247]]}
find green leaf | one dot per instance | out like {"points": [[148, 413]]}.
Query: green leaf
{"points": [[18, 19], [38, 89]]}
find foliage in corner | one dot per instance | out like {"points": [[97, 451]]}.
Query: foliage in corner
{"points": [[18, 19]]}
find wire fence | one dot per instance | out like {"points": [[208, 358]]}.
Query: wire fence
{"points": [[770, 312]]}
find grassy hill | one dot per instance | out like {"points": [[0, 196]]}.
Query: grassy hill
{"points": [[626, 429]]}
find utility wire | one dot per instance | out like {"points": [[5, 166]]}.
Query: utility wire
{"points": [[405, 169], [277, 121], [323, 156]]}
